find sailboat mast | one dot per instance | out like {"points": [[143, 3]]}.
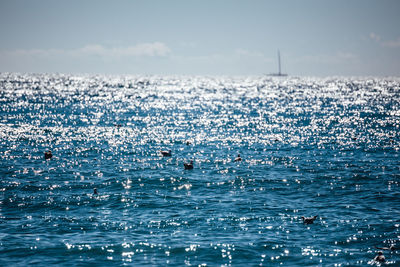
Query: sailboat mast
{"points": [[279, 62], [279, 65]]}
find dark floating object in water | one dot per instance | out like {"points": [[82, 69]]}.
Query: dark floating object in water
{"points": [[166, 153], [238, 158], [95, 191], [48, 155], [309, 220], [188, 143], [380, 257], [188, 166]]}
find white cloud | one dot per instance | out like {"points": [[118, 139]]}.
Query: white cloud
{"points": [[374, 36], [336, 58], [394, 43], [391, 43], [155, 49], [145, 49], [89, 50], [32, 52]]}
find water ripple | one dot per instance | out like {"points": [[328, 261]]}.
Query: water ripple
{"points": [[309, 146]]}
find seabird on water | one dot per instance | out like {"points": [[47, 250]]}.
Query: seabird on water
{"points": [[166, 153], [48, 155], [380, 257], [238, 158], [188, 166], [309, 220]]}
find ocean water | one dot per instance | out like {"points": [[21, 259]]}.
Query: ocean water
{"points": [[309, 146]]}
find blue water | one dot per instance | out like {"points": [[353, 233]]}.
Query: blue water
{"points": [[310, 146]]}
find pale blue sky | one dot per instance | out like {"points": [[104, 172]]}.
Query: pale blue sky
{"points": [[209, 37]]}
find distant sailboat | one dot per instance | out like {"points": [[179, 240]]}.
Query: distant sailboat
{"points": [[280, 74]]}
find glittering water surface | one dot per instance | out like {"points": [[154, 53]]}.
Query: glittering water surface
{"points": [[310, 146]]}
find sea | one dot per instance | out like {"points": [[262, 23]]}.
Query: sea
{"points": [[309, 146]]}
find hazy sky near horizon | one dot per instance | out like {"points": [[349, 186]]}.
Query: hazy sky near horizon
{"points": [[209, 37]]}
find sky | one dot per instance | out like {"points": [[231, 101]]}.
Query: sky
{"points": [[207, 37]]}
